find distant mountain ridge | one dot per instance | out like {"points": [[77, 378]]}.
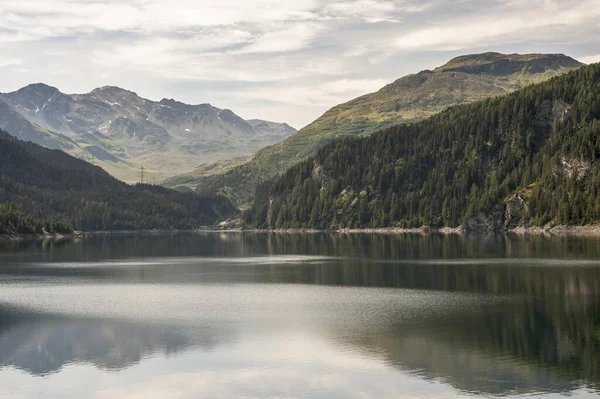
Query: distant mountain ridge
{"points": [[122, 131], [411, 98]]}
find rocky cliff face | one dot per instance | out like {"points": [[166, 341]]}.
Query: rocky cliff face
{"points": [[511, 215]]}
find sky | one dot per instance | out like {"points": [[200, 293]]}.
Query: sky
{"points": [[280, 60]]}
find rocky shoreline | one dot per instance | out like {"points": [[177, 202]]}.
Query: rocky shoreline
{"points": [[589, 230], [384, 230]]}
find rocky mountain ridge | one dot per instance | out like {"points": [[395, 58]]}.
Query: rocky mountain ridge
{"points": [[122, 131]]}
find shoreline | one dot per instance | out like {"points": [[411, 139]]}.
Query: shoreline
{"points": [[38, 237], [383, 230], [560, 230], [588, 230], [83, 234]]}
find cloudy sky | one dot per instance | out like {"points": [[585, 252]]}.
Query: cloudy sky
{"points": [[280, 60]]}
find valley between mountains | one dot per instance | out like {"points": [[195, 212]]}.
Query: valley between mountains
{"points": [[412, 98]]}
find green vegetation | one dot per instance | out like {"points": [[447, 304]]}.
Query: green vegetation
{"points": [[409, 99], [48, 190], [14, 221], [530, 157], [190, 180]]}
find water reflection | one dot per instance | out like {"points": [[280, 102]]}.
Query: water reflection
{"points": [[371, 246], [42, 344], [493, 316], [513, 348]]}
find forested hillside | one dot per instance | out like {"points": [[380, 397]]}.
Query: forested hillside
{"points": [[462, 80], [527, 158], [50, 190]]}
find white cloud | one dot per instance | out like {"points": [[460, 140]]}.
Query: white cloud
{"points": [[36, 19], [296, 37], [327, 94], [590, 59], [176, 60], [367, 10], [156, 52], [513, 25], [453, 37], [10, 62]]}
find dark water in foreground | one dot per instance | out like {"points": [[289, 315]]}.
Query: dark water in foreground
{"points": [[307, 316]]}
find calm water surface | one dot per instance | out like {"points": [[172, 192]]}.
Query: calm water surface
{"points": [[223, 315]]}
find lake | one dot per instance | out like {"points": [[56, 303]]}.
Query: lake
{"points": [[249, 315]]}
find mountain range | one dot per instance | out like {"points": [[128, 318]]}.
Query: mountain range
{"points": [[409, 99], [121, 131], [440, 135]]}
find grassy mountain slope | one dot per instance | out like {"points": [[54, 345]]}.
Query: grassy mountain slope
{"points": [[527, 158], [189, 181], [408, 99], [49, 186]]}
